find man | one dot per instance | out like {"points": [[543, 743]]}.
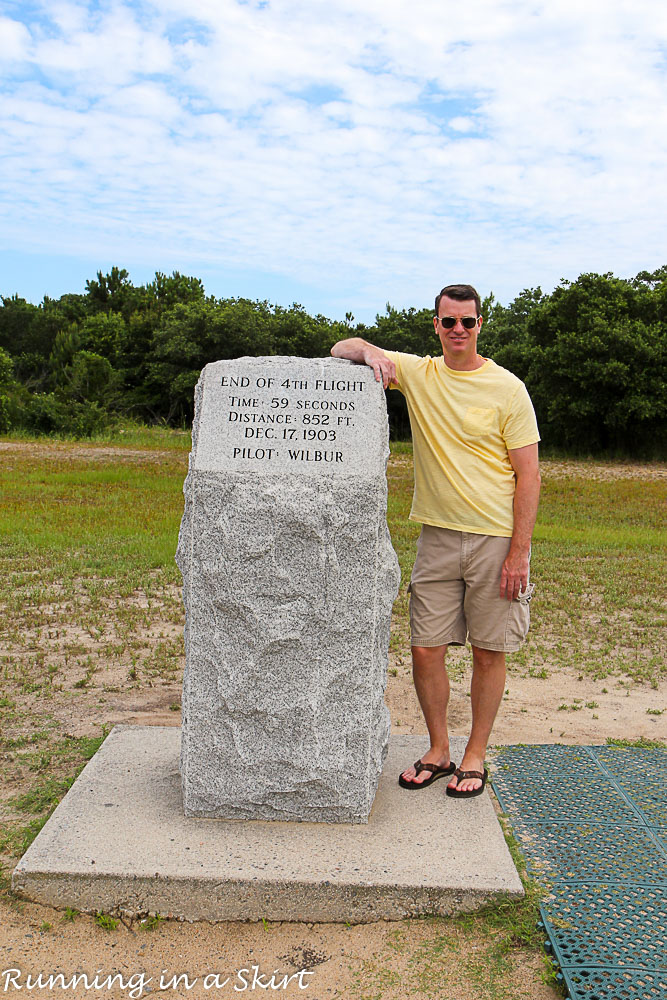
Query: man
{"points": [[477, 486]]}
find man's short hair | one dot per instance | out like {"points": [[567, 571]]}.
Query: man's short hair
{"points": [[460, 293]]}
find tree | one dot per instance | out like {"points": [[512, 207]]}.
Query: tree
{"points": [[10, 393], [597, 368], [91, 378], [168, 291], [113, 292]]}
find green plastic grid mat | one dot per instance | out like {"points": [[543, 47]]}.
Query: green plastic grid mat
{"points": [[592, 824]]}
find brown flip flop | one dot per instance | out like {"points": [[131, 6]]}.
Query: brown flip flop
{"points": [[436, 772], [461, 776]]}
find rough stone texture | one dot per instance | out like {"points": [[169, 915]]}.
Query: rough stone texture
{"points": [[119, 840], [289, 579]]}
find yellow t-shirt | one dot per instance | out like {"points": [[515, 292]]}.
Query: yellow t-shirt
{"points": [[462, 426]]}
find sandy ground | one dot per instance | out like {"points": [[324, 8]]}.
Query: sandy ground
{"points": [[367, 961], [418, 958]]}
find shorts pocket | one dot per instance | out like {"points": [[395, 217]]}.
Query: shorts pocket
{"points": [[478, 420], [518, 623]]}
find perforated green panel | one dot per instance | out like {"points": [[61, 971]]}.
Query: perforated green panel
{"points": [[615, 984], [592, 851], [592, 823], [608, 923], [538, 796]]}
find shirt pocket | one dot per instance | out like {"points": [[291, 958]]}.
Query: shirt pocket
{"points": [[478, 420]]}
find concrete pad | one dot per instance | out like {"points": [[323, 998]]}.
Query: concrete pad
{"points": [[119, 841]]}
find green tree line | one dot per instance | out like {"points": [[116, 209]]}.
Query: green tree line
{"points": [[593, 354]]}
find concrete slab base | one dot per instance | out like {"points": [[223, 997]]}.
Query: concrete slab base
{"points": [[119, 842]]}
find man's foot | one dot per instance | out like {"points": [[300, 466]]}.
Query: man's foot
{"points": [[433, 765], [480, 777], [470, 785]]}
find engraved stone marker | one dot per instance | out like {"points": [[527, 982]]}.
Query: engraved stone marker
{"points": [[289, 579]]}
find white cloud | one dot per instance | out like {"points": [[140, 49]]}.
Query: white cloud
{"points": [[14, 39], [369, 147]]}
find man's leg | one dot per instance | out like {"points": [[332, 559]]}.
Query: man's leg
{"points": [[486, 692], [432, 686]]}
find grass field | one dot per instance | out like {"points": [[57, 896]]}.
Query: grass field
{"points": [[92, 616], [87, 574]]}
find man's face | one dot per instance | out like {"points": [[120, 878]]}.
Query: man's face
{"points": [[458, 343]]}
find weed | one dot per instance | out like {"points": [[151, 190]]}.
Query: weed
{"points": [[42, 796], [106, 921], [17, 839], [642, 743], [70, 915], [542, 673], [150, 922]]}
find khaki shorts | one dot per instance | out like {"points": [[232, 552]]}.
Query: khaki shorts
{"points": [[455, 593]]}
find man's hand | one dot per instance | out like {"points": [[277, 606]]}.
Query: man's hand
{"points": [[514, 574], [356, 349], [384, 367]]}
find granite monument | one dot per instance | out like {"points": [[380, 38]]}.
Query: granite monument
{"points": [[289, 579]]}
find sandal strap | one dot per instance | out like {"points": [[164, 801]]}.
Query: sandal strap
{"points": [[419, 765], [458, 773]]}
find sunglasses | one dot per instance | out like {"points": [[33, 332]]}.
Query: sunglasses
{"points": [[449, 322]]}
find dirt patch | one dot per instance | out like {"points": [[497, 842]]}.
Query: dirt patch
{"points": [[602, 471], [54, 451], [552, 707], [411, 959]]}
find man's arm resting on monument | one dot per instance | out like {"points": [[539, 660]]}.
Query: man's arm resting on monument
{"points": [[514, 575], [356, 349]]}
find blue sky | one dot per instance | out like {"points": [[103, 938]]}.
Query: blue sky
{"points": [[342, 154]]}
